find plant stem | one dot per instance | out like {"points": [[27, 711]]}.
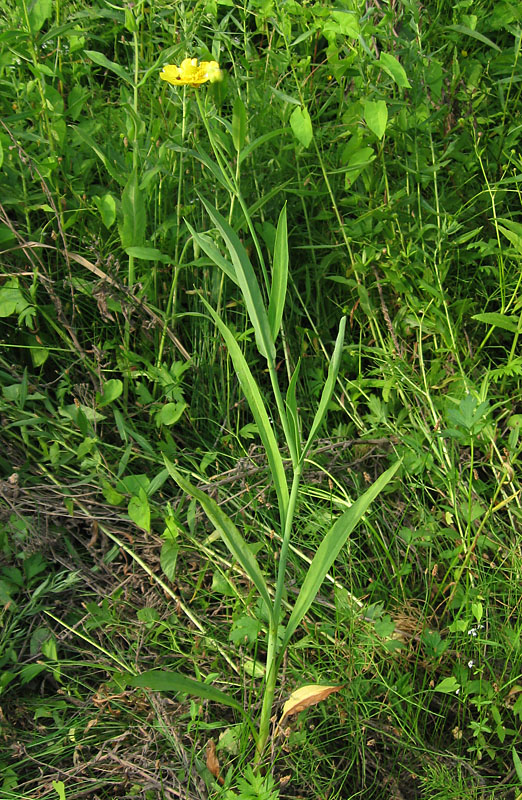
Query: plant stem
{"points": [[272, 654]]}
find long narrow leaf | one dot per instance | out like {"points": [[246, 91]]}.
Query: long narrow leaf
{"points": [[208, 247], [257, 407], [329, 549], [166, 681], [228, 532], [328, 387], [293, 414], [248, 284], [279, 276]]}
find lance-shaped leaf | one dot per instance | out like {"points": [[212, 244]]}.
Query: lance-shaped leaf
{"points": [[292, 412], [328, 387], [307, 696], [166, 681], [208, 247], [257, 407], [279, 276], [329, 549], [228, 532], [248, 284]]}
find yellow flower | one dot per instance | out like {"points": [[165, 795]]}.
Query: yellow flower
{"points": [[190, 74]]}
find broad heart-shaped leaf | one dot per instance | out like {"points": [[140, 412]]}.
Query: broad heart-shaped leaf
{"points": [[329, 549], [166, 681], [228, 532], [257, 407], [328, 387], [307, 696], [279, 276], [248, 284]]}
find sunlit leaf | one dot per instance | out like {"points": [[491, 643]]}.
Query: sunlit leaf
{"points": [[307, 696]]}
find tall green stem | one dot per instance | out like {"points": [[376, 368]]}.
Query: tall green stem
{"points": [[272, 652]]}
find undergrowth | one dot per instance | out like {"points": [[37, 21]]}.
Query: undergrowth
{"points": [[392, 134]]}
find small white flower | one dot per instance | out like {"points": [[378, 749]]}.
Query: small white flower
{"points": [[457, 691], [471, 663], [472, 632], [480, 626]]}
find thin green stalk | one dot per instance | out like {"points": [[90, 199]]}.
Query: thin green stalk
{"points": [[171, 304], [272, 654]]}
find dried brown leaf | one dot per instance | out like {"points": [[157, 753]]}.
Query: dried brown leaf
{"points": [[212, 761], [306, 696]]}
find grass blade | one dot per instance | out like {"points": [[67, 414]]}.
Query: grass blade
{"points": [[228, 532], [328, 387], [279, 276], [247, 283], [257, 407], [329, 549]]}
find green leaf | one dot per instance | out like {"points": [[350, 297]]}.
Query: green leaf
{"points": [[133, 223], [257, 407], [279, 276], [12, 300], [265, 137], [59, 788], [466, 31], [329, 549], [376, 116], [208, 247], [447, 685], [513, 231], [247, 282], [507, 323], [114, 167], [148, 254], [518, 764], [245, 629], [301, 125], [106, 206], [294, 429], [139, 510], [170, 413], [112, 389], [228, 532], [169, 557], [103, 61], [167, 681], [38, 11], [395, 70], [239, 124], [328, 387]]}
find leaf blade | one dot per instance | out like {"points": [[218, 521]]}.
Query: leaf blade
{"points": [[247, 283], [257, 407], [279, 276], [328, 387], [228, 532], [329, 549]]}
